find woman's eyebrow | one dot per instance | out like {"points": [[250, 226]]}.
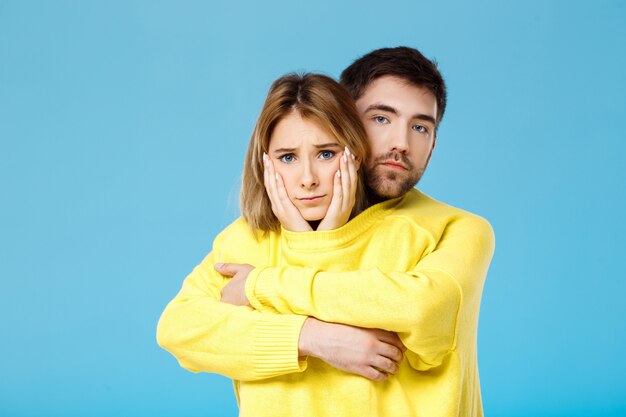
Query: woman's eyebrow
{"points": [[328, 145], [283, 150]]}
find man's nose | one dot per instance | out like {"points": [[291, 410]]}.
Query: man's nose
{"points": [[399, 139], [309, 178]]}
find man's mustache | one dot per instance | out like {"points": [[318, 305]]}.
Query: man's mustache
{"points": [[395, 157]]}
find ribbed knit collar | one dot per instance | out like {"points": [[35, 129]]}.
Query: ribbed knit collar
{"points": [[343, 236]]}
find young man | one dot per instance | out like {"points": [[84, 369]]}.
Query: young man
{"points": [[419, 277]]}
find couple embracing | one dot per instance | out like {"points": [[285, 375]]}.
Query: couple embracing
{"points": [[342, 290]]}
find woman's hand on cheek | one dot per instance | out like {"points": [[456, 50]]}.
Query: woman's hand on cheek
{"points": [[288, 215], [344, 192]]}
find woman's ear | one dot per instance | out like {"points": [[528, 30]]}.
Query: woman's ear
{"points": [[357, 162]]}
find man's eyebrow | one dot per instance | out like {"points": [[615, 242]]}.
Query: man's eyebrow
{"points": [[380, 106], [425, 117], [389, 109]]}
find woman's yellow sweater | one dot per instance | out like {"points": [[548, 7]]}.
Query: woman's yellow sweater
{"points": [[411, 265]]}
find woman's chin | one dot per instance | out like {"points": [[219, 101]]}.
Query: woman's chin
{"points": [[313, 214]]}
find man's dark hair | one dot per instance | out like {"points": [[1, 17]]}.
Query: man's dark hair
{"points": [[406, 63]]}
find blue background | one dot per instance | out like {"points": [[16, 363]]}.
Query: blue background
{"points": [[123, 126]]}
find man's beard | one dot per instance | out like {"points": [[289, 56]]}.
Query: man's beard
{"points": [[386, 184]]}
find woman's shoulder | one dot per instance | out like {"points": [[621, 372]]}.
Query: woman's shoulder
{"points": [[239, 237]]}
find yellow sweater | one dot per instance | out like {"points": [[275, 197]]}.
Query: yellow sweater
{"points": [[411, 265]]}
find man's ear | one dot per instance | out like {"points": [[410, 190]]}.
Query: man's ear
{"points": [[432, 148]]}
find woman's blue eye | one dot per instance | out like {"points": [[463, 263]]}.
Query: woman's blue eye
{"points": [[287, 158], [327, 154], [381, 119]]}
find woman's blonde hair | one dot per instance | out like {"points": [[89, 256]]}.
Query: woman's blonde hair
{"points": [[317, 98]]}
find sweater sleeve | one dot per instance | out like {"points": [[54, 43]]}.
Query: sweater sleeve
{"points": [[422, 305], [207, 335]]}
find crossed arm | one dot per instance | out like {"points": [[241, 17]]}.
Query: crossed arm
{"points": [[205, 333], [421, 305]]}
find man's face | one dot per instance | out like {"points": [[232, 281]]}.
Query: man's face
{"points": [[400, 121]]}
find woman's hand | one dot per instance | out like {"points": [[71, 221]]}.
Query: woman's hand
{"points": [[344, 193], [288, 215]]}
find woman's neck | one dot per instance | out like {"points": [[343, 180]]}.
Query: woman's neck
{"points": [[314, 224]]}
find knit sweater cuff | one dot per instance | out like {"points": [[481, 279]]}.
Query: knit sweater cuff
{"points": [[276, 345], [260, 290]]}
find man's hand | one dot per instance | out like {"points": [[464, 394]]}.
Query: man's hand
{"points": [[372, 353], [235, 291]]}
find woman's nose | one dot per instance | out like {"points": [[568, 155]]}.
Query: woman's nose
{"points": [[309, 178]]}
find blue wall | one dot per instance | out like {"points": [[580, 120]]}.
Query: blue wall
{"points": [[123, 126]]}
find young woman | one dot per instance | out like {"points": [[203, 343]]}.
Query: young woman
{"points": [[296, 167], [300, 175]]}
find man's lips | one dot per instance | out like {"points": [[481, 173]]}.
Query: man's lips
{"points": [[395, 165]]}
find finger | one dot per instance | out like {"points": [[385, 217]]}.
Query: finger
{"points": [[346, 180], [385, 365], [332, 219], [354, 178], [265, 171], [266, 177], [390, 351], [272, 189], [336, 201], [374, 374], [391, 338], [282, 193], [228, 270]]}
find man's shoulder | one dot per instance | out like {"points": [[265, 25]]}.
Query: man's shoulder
{"points": [[417, 203], [432, 214]]}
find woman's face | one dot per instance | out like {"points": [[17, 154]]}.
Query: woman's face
{"points": [[307, 158]]}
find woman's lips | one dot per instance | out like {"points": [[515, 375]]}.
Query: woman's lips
{"points": [[312, 199]]}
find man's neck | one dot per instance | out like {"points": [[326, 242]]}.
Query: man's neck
{"points": [[373, 198]]}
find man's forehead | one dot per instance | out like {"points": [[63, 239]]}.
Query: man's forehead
{"points": [[389, 84], [399, 94]]}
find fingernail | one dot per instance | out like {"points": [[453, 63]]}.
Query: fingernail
{"points": [[345, 158], [338, 173], [219, 265], [346, 150], [277, 175]]}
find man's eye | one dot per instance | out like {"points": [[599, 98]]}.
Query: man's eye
{"points": [[327, 154], [381, 119], [287, 158], [420, 129]]}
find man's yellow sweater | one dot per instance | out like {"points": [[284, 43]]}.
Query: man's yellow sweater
{"points": [[411, 265]]}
